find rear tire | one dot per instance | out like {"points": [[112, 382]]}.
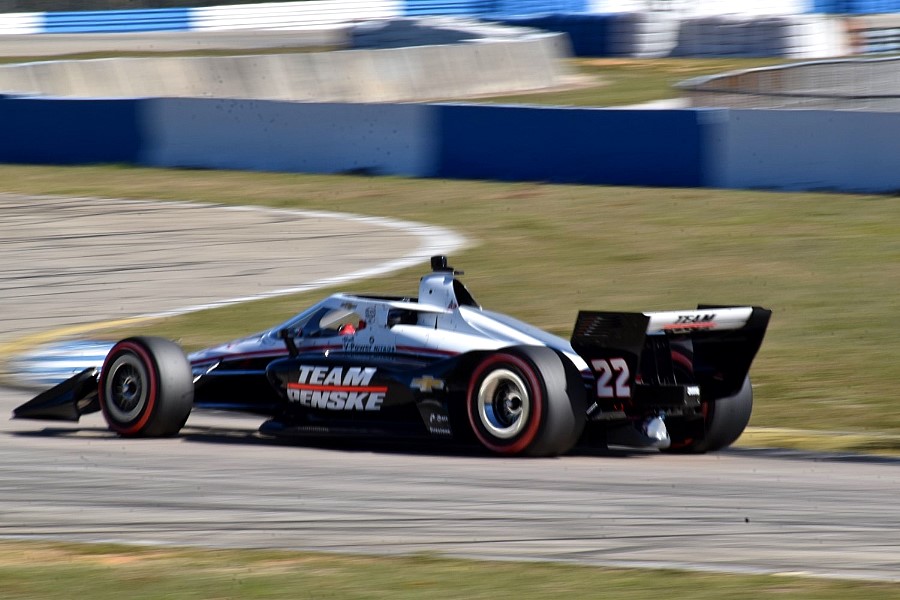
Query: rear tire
{"points": [[526, 400], [728, 420], [725, 420], [146, 388]]}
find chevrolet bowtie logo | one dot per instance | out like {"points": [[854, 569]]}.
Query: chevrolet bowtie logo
{"points": [[427, 383]]}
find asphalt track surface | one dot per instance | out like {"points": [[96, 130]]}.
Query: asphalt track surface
{"points": [[69, 261], [220, 484], [66, 263]]}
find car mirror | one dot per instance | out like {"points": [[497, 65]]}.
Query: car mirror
{"points": [[289, 334]]}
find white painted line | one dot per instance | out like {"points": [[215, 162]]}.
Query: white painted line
{"points": [[435, 240], [39, 359]]}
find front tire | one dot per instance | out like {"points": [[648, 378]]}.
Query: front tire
{"points": [[146, 388], [526, 400]]}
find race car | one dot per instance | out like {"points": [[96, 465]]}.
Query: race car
{"points": [[438, 366]]}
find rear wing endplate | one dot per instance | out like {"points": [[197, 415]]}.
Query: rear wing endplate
{"points": [[721, 342]]}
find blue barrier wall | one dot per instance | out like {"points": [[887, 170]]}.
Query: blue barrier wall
{"points": [[856, 7], [590, 35], [180, 19], [118, 21], [491, 8], [536, 7], [570, 145], [421, 8], [68, 132], [769, 149]]}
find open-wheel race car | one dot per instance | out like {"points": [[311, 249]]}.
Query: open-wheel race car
{"points": [[439, 366]]}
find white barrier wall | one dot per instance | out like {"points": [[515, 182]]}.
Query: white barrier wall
{"points": [[804, 150], [847, 151], [704, 8], [292, 15], [377, 139], [21, 23], [798, 36], [665, 33]]}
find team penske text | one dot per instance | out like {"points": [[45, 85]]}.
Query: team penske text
{"points": [[336, 388], [336, 399], [336, 376]]}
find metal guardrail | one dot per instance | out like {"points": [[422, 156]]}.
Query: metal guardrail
{"points": [[871, 84]]}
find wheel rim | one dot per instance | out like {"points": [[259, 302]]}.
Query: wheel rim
{"points": [[504, 404], [126, 389]]}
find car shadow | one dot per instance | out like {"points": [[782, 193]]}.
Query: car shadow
{"points": [[812, 455], [225, 435], [249, 436]]}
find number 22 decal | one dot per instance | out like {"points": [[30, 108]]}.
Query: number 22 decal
{"points": [[606, 369]]}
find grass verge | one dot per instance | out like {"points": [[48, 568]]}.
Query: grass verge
{"points": [[825, 263], [55, 571], [625, 81]]}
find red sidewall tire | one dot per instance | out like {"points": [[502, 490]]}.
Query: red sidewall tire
{"points": [[526, 437], [136, 425], [146, 388]]}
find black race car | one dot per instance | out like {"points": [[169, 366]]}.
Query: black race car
{"points": [[440, 366]]}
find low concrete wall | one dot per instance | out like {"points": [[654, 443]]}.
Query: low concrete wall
{"points": [[108, 16], [795, 150], [569, 145], [853, 84], [292, 15], [20, 23], [804, 150], [402, 74], [60, 44], [376, 139], [66, 132]]}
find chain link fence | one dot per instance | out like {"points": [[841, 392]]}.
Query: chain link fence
{"points": [[871, 84]]}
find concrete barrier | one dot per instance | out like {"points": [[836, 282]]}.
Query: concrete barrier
{"points": [[706, 8], [21, 23], [524, 63], [765, 149], [805, 150], [377, 139], [402, 74], [568, 145], [66, 132], [852, 84], [291, 15]]}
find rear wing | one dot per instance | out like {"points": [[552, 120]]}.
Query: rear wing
{"points": [[712, 347]]}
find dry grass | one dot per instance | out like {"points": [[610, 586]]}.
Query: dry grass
{"points": [[826, 263]]}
